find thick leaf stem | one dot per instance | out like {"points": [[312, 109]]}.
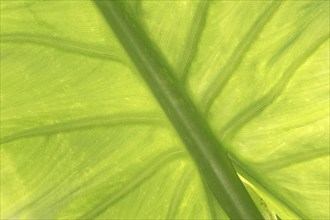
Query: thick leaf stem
{"points": [[200, 141]]}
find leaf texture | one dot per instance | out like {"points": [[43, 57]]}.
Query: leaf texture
{"points": [[83, 137]]}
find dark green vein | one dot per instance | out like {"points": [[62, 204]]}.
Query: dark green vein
{"points": [[195, 32], [151, 169], [212, 202], [86, 123], [294, 37], [256, 108], [65, 45], [295, 159], [284, 47], [200, 141], [41, 22], [254, 179], [179, 193], [40, 199], [237, 56]]}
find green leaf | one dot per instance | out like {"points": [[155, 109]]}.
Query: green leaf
{"points": [[82, 136]]}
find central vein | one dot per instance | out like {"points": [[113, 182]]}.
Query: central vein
{"points": [[198, 137]]}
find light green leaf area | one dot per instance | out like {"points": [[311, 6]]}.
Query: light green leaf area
{"points": [[83, 137]]}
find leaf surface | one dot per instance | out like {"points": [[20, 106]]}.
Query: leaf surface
{"points": [[83, 137]]}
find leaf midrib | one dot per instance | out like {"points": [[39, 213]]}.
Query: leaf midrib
{"points": [[192, 128]]}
